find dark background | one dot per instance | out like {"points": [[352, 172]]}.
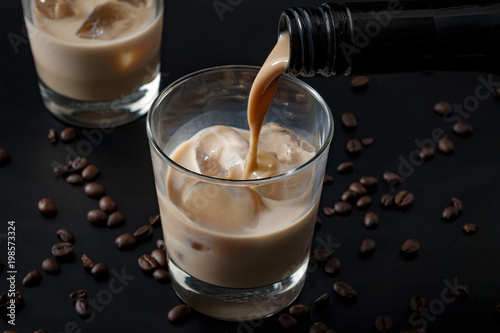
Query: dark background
{"points": [[396, 110]]}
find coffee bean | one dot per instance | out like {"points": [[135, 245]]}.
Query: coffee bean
{"points": [[90, 172], [82, 307], [50, 266], [125, 241], [97, 216], [450, 213], [286, 321], [446, 146], [349, 120], [457, 203], [61, 170], [75, 179], [470, 229], [328, 211], [161, 275], [299, 310], [391, 178], [107, 204], [318, 327], [62, 249], [68, 134], [403, 198], [332, 266], [460, 292], [367, 142], [9, 331], [52, 136], [32, 278], [410, 246], [342, 208], [358, 188], [322, 301], [115, 219], [345, 167], [87, 262], [387, 200], [5, 300], [143, 233], [65, 235], [368, 182], [318, 223], [364, 202], [353, 146], [442, 108], [462, 129], [383, 323], [371, 220], [147, 263], [160, 244], [40, 331], [359, 81], [160, 256], [179, 313], [327, 179], [348, 195], [426, 153], [321, 254], [78, 294], [4, 156], [155, 220], [417, 303], [99, 270], [94, 190], [367, 246], [498, 308], [79, 163], [47, 207]]}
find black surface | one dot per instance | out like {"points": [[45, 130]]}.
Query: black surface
{"points": [[396, 110]]}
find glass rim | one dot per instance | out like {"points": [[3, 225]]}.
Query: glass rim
{"points": [[190, 173]]}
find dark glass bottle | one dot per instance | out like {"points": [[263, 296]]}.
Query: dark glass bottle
{"points": [[393, 36]]}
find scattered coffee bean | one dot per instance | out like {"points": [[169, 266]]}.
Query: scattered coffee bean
{"points": [[299, 310], [40, 331], [358, 188], [32, 278], [321, 254], [353, 146], [327, 179], [368, 182], [115, 219], [322, 301], [99, 270], [90, 172], [4, 156], [359, 81], [457, 203], [5, 300], [446, 146], [345, 167], [383, 323], [61, 170], [342, 208], [442, 108], [97, 216], [328, 211], [78, 294], [94, 190], [50, 266], [125, 241], [426, 153], [410, 246], [147, 263], [348, 195], [160, 257], [417, 303], [62, 249], [391, 178], [470, 229], [462, 129], [371, 220], [318, 327], [450, 213], [47, 207], [349, 120], [155, 220], [367, 142], [52, 136], [82, 307], [79, 163], [367, 246], [161, 275], [332, 266], [107, 204], [65, 235], [87, 262], [179, 313], [143, 233], [460, 292], [387, 200], [75, 179], [403, 198], [364, 202], [68, 134], [160, 244], [286, 321]]}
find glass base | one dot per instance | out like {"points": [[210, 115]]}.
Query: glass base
{"points": [[233, 303], [102, 114]]}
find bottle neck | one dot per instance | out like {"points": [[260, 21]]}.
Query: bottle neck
{"points": [[393, 36]]}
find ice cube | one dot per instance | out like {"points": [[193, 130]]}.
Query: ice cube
{"points": [[107, 21], [221, 152], [54, 9]]}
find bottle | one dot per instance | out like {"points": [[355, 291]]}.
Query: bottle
{"points": [[393, 36]]}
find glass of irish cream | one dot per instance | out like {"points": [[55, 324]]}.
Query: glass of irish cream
{"points": [[238, 234], [97, 61]]}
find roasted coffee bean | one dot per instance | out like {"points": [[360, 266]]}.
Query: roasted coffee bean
{"points": [[147, 263], [87, 262], [75, 179], [160, 257], [403, 198], [97, 216], [40, 331], [450, 213], [348, 195], [371, 220], [318, 224], [99, 270], [52, 136], [442, 108], [125, 241], [161, 275], [143, 233], [50, 266], [417, 303], [345, 167], [327, 179], [321, 254], [383, 323], [368, 182], [387, 200], [349, 120], [446, 146], [391, 178], [47, 207], [115, 219], [62, 249], [65, 235], [94, 190], [328, 211], [79, 163], [78, 294], [322, 301], [358, 188], [353, 146], [286, 321], [344, 290], [179, 313], [332, 266], [90, 172], [68, 134], [9, 331], [470, 228], [364, 202], [460, 292], [367, 142], [318, 327], [342, 208], [5, 300], [107, 204], [4, 156], [155, 220], [160, 244], [299, 310], [410, 246], [32, 278], [426, 153], [61, 170], [359, 81], [367, 246], [82, 307], [457, 203], [462, 129]]}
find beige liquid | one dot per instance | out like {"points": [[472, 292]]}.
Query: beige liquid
{"points": [[93, 69]]}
